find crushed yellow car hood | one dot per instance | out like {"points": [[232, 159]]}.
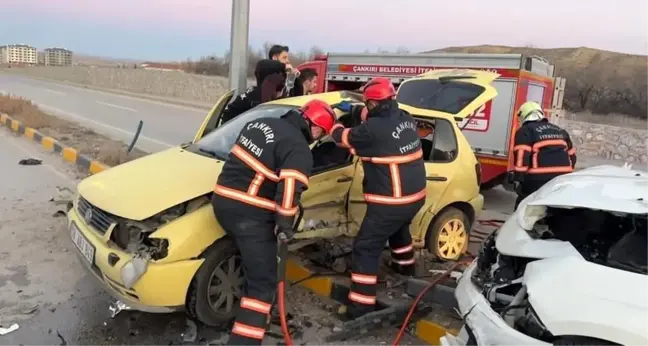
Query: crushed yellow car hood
{"points": [[142, 188]]}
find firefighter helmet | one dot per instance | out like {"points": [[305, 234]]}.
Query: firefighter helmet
{"points": [[378, 89], [530, 111], [319, 113]]}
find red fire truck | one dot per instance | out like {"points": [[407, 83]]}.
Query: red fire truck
{"points": [[491, 128]]}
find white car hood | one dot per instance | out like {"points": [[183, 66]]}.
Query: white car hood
{"points": [[610, 188], [573, 296]]}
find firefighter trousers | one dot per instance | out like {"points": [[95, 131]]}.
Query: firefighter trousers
{"points": [[376, 230], [257, 244]]}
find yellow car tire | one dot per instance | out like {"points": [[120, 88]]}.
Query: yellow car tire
{"points": [[448, 235], [200, 301]]}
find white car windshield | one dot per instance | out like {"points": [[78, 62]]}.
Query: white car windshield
{"points": [[220, 141]]}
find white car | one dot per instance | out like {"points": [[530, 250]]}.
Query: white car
{"points": [[568, 268]]}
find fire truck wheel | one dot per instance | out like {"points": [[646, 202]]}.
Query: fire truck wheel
{"points": [[217, 286], [447, 236]]}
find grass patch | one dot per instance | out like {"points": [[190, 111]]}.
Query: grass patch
{"points": [[86, 141]]}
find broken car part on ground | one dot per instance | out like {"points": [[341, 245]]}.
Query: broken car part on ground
{"points": [[568, 267]]}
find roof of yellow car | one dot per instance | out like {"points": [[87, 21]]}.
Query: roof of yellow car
{"points": [[335, 97]]}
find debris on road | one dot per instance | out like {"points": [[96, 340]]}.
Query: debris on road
{"points": [[58, 213], [63, 341], [30, 162], [117, 307], [5, 331], [31, 310], [191, 333]]}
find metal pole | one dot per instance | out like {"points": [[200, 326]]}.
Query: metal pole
{"points": [[239, 45]]}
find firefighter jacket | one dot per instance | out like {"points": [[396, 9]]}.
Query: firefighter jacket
{"points": [[390, 150], [267, 170], [542, 151]]}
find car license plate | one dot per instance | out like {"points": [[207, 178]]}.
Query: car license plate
{"points": [[87, 250]]}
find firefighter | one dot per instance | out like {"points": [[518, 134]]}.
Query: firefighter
{"points": [[394, 184], [542, 151], [257, 195]]}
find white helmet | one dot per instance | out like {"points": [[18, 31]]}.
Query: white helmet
{"points": [[530, 111]]}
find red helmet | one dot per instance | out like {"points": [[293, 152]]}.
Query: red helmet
{"points": [[320, 114], [378, 89]]}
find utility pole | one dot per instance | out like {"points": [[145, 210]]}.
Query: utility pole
{"points": [[239, 45]]}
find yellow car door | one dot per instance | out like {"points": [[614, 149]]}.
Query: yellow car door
{"points": [[324, 203], [212, 120]]}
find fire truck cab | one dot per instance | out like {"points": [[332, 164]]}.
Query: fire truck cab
{"points": [[491, 128]]}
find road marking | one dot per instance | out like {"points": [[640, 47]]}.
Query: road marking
{"points": [[33, 153], [134, 97], [55, 91], [84, 119], [116, 106]]}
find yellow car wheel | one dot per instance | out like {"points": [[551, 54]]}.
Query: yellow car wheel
{"points": [[217, 286], [448, 235]]}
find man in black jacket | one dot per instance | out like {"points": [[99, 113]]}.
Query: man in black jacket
{"points": [[257, 195], [394, 189], [270, 88], [542, 150], [305, 84]]}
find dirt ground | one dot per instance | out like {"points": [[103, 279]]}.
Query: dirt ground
{"points": [[86, 141]]}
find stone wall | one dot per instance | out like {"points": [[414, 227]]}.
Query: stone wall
{"points": [[174, 84], [607, 141]]}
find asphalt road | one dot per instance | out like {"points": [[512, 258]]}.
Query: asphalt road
{"points": [[116, 116], [47, 292]]}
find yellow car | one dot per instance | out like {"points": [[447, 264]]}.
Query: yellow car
{"points": [[147, 231]]}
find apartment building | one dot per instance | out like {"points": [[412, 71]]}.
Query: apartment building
{"points": [[57, 57], [18, 54]]}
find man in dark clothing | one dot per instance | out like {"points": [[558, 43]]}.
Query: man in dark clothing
{"points": [[305, 84], [394, 188], [542, 150], [270, 88], [278, 61], [257, 196], [276, 66], [279, 53]]}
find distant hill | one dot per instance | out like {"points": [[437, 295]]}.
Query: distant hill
{"points": [[599, 80]]}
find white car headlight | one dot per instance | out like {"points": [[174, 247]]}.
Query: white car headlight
{"points": [[132, 271]]}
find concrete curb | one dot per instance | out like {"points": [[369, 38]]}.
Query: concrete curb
{"points": [[50, 144]]}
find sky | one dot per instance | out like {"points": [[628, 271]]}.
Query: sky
{"points": [[180, 29]]}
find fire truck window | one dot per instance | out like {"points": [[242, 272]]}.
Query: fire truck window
{"points": [[449, 97], [442, 147]]}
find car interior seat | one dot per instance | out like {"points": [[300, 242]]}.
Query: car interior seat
{"points": [[631, 252]]}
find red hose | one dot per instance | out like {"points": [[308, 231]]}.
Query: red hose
{"points": [[281, 292], [438, 279], [434, 282]]}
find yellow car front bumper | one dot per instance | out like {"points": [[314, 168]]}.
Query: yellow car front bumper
{"points": [[163, 286]]}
